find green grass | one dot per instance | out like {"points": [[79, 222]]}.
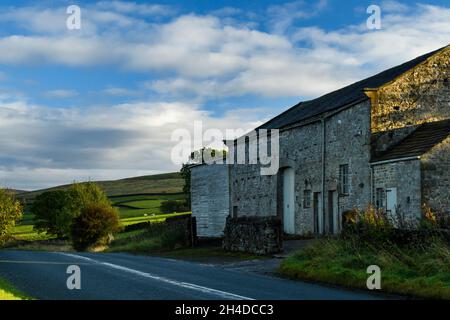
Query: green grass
{"points": [[139, 242], [140, 205], [8, 292], [157, 218], [26, 232], [421, 272], [134, 209]]}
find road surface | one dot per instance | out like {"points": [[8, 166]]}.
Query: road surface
{"points": [[43, 275]]}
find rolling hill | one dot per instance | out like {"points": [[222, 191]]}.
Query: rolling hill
{"points": [[166, 183]]}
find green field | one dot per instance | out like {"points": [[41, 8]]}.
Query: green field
{"points": [[132, 209], [138, 200]]}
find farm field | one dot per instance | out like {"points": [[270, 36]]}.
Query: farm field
{"points": [[138, 199], [132, 209]]}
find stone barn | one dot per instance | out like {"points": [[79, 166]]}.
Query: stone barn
{"points": [[384, 141]]}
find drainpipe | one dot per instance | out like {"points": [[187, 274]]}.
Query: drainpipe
{"points": [[323, 174]]}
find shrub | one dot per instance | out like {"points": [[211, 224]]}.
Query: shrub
{"points": [[94, 226], [87, 193], [170, 206], [10, 212], [53, 213], [368, 225]]}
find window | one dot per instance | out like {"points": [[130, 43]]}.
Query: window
{"points": [[235, 211], [380, 198], [343, 179], [307, 199]]}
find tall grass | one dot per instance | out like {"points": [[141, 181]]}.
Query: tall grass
{"points": [[413, 262]]}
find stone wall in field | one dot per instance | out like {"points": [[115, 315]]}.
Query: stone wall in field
{"points": [[259, 235]]}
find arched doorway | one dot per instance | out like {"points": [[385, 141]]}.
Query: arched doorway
{"points": [[288, 201]]}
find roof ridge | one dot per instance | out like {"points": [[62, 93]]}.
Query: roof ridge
{"points": [[343, 96]]}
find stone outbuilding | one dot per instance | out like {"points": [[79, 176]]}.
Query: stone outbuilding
{"points": [[384, 141]]}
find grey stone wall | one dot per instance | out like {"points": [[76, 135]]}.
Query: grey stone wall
{"points": [[347, 142], [381, 141], [436, 177], [260, 235], [210, 198], [406, 177]]}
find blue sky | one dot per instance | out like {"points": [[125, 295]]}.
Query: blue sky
{"points": [[102, 102]]}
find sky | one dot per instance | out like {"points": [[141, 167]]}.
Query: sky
{"points": [[102, 102]]}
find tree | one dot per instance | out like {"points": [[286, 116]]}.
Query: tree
{"points": [[53, 213], [10, 213], [186, 175], [87, 193], [94, 226]]}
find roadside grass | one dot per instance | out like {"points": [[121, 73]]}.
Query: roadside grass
{"points": [[8, 292], [416, 271]]}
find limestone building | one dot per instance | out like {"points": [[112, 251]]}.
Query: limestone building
{"points": [[384, 141]]}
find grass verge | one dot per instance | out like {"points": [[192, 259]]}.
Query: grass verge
{"points": [[8, 292], [170, 246], [422, 271]]}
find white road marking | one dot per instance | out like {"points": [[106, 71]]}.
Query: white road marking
{"points": [[222, 294]]}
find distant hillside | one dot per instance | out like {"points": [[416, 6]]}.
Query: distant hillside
{"points": [[15, 191], [159, 183]]}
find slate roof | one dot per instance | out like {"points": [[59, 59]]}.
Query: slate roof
{"points": [[353, 93], [418, 142]]}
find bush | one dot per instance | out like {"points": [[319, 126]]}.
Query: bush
{"points": [[10, 212], [94, 226], [170, 206], [54, 211], [370, 225], [86, 194]]}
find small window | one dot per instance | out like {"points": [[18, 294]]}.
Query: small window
{"points": [[380, 199], [344, 179], [307, 199], [235, 211]]}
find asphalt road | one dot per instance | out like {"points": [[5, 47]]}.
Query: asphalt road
{"points": [[43, 275]]}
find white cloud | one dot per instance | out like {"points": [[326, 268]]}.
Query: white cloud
{"points": [[60, 93], [208, 56], [282, 16], [391, 6], [121, 92], [97, 142]]}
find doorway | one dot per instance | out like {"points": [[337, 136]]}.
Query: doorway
{"points": [[288, 201], [391, 203], [334, 224], [317, 212]]}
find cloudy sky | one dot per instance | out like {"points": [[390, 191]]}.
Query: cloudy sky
{"points": [[102, 102]]}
